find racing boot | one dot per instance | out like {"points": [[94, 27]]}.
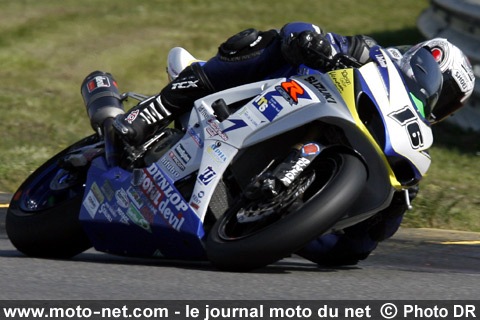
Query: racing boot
{"points": [[155, 113], [142, 121]]}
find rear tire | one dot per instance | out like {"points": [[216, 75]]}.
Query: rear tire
{"points": [[42, 221], [232, 248]]}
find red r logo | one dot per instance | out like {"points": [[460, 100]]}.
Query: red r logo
{"points": [[293, 89]]}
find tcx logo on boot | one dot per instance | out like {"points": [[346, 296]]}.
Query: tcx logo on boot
{"points": [[185, 85], [132, 116]]}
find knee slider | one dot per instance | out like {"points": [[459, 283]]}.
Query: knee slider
{"points": [[245, 45]]}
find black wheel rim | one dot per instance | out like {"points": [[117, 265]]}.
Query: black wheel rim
{"points": [[51, 188], [232, 229]]}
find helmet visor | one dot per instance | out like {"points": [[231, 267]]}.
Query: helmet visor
{"points": [[423, 78]]}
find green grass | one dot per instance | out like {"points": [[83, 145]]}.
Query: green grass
{"points": [[47, 47], [449, 196]]}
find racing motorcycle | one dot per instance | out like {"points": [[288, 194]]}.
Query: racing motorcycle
{"points": [[251, 175]]}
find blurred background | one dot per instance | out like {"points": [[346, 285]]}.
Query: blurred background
{"points": [[47, 47]]}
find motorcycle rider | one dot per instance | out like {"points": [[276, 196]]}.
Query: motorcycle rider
{"points": [[253, 55]]}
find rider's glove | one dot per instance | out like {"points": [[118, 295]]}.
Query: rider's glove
{"points": [[359, 47], [307, 47], [342, 61]]}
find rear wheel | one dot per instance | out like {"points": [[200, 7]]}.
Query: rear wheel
{"points": [[42, 219], [255, 233]]}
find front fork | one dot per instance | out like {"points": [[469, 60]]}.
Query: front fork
{"points": [[296, 162], [283, 175]]}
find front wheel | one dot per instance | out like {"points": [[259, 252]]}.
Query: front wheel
{"points": [[42, 219], [251, 235]]}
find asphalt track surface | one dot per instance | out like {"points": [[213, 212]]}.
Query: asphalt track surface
{"points": [[414, 264]]}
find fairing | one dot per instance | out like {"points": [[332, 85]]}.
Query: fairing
{"points": [[143, 212]]}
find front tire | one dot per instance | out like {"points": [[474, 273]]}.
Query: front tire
{"points": [[233, 245], [42, 219]]}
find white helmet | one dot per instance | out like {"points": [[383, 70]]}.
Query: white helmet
{"points": [[458, 77]]}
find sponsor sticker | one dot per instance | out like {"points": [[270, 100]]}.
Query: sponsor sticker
{"points": [[207, 176], [182, 153], [122, 198], [195, 136], [163, 197], [132, 116], [147, 214], [93, 200], [169, 166], [295, 171], [108, 190], [310, 149], [137, 218], [123, 217], [462, 80], [135, 197], [185, 84], [176, 160], [194, 205], [250, 118], [98, 82], [98, 193], [197, 199], [268, 106], [107, 211], [381, 60], [213, 129], [290, 90], [91, 203], [395, 53], [322, 89], [341, 79], [217, 154]]}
